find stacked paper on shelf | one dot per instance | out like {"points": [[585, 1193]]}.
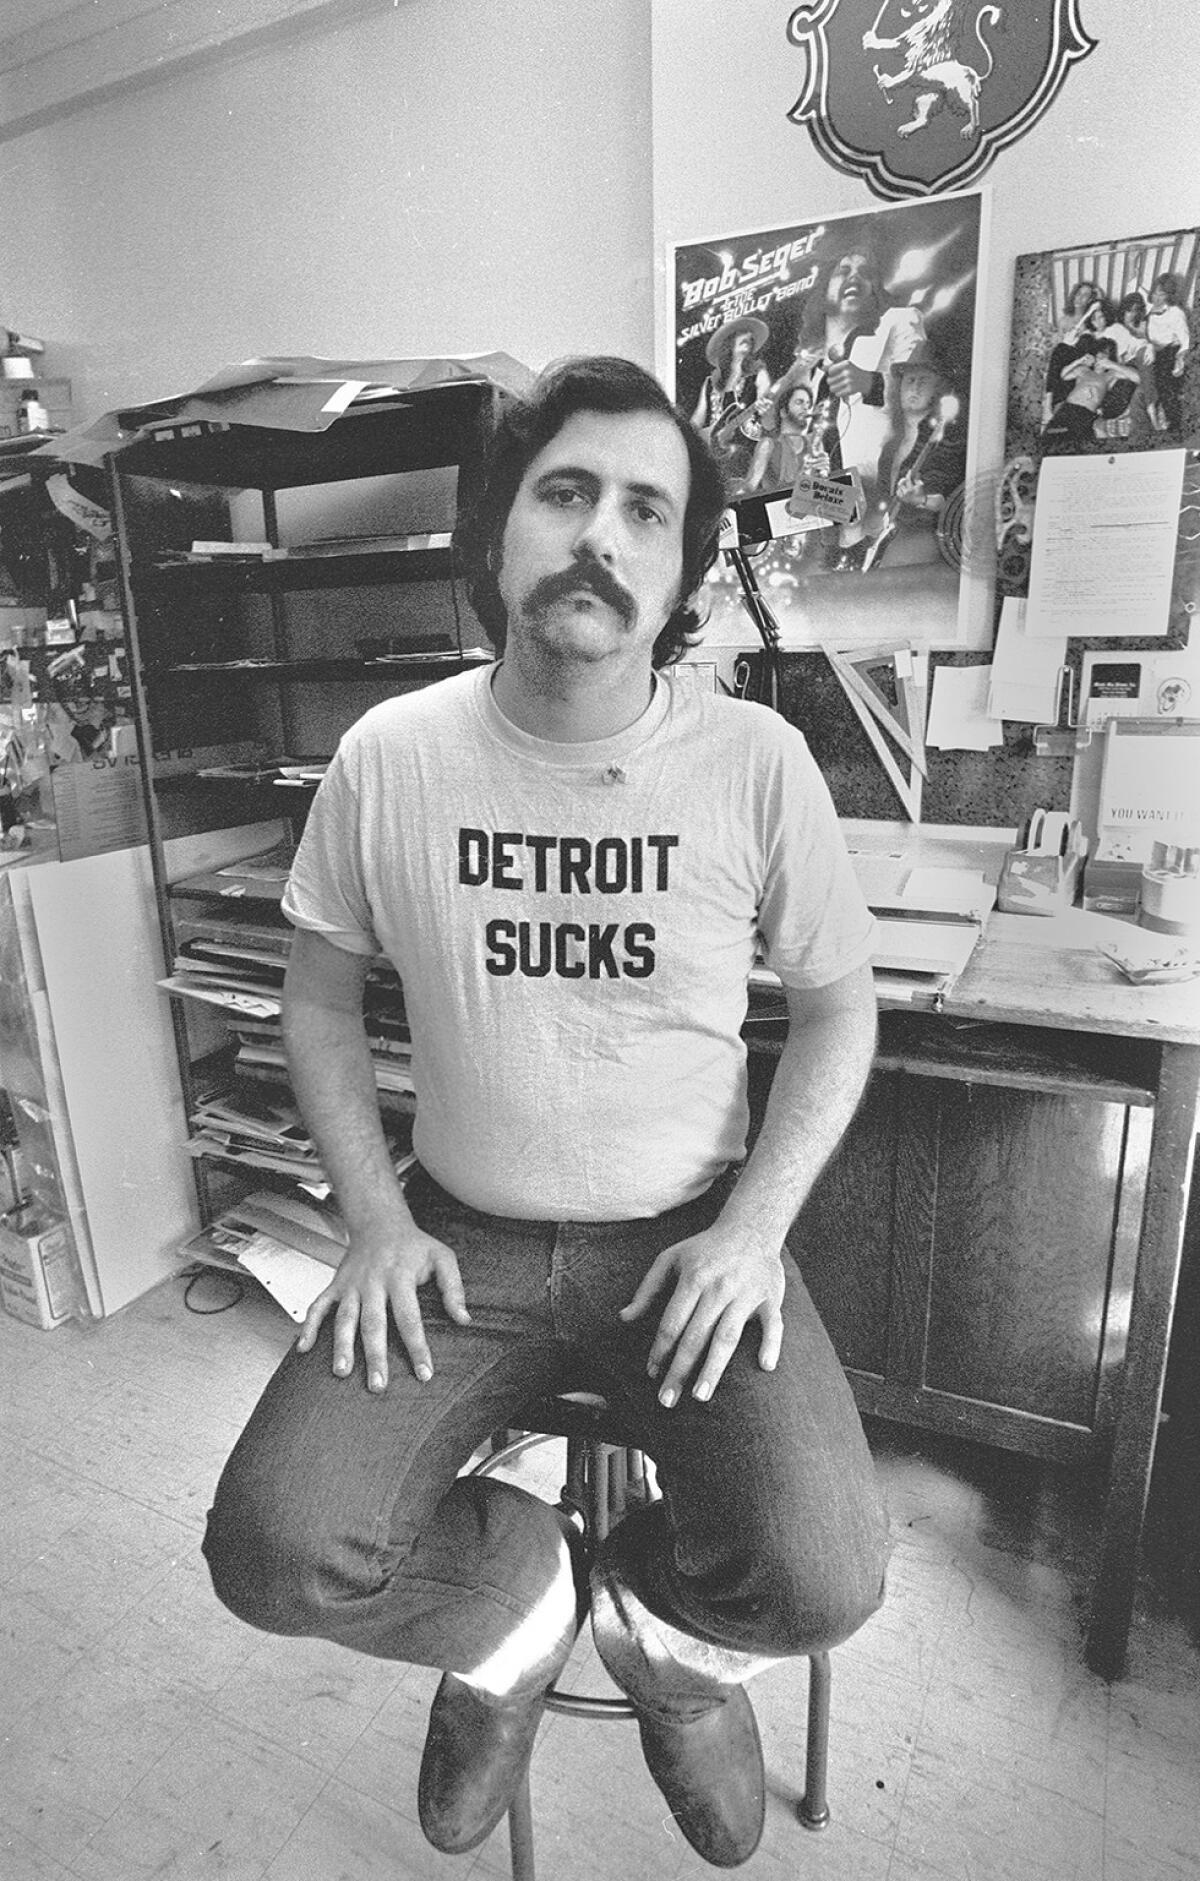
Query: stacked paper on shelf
{"points": [[254, 1130], [288, 1244], [310, 394], [300, 395]]}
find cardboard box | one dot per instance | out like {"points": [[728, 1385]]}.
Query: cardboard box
{"points": [[39, 1272]]}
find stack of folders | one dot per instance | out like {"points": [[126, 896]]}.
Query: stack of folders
{"points": [[243, 1127], [239, 1127], [238, 970]]}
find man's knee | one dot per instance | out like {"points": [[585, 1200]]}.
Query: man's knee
{"points": [[786, 1592], [267, 1566], [829, 1611], [823, 1598]]}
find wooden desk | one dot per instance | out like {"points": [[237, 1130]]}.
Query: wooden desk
{"points": [[996, 1247], [1013, 977]]}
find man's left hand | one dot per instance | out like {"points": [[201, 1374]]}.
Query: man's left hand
{"points": [[719, 1285]]}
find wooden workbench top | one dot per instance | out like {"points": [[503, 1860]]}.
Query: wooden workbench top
{"points": [[1029, 970], [1055, 977]]}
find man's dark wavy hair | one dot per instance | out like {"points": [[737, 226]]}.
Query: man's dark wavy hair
{"points": [[523, 427]]}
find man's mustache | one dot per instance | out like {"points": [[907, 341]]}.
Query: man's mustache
{"points": [[593, 576]]}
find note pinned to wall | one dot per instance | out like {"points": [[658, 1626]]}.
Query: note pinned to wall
{"points": [[1026, 670], [1104, 537], [958, 710]]}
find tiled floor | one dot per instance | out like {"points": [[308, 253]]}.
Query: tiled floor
{"points": [[144, 1732]]}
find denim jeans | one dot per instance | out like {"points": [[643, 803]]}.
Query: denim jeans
{"points": [[341, 1513]]}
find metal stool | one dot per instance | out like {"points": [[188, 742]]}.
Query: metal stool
{"points": [[602, 1480]]}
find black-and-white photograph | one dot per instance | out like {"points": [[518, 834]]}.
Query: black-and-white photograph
{"points": [[1104, 347], [599, 941]]}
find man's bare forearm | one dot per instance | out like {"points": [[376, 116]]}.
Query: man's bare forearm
{"points": [[389, 1258], [817, 1087], [329, 1062]]}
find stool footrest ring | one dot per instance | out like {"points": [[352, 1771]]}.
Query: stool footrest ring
{"points": [[581, 1705]]}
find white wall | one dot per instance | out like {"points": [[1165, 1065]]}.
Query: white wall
{"points": [[442, 175]]}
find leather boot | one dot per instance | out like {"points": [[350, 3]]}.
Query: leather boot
{"points": [[476, 1753], [478, 1744], [709, 1767], [697, 1724]]}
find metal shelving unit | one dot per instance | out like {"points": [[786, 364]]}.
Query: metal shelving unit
{"points": [[236, 656]]}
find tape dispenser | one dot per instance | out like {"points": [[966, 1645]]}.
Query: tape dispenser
{"points": [[1041, 874]]}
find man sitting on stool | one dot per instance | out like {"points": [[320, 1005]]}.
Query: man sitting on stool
{"points": [[572, 861]]}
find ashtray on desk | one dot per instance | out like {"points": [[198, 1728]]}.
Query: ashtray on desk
{"points": [[1173, 964]]}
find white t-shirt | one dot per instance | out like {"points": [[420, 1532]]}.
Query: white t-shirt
{"points": [[1168, 326], [574, 925]]}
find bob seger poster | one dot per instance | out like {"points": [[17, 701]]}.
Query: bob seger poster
{"points": [[832, 362]]}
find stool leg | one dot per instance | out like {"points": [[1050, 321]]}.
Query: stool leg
{"points": [[520, 1832], [813, 1808], [618, 1481], [598, 1512], [575, 1487]]}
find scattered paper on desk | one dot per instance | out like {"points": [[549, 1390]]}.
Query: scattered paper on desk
{"points": [[931, 946], [1168, 963], [1026, 670], [881, 878], [958, 714], [1104, 536], [1086, 930], [949, 891]]}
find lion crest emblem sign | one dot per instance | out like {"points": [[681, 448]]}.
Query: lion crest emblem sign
{"points": [[917, 97]]}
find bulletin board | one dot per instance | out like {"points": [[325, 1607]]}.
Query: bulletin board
{"points": [[993, 789]]}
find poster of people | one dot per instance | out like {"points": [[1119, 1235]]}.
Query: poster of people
{"points": [[831, 362], [1103, 348]]}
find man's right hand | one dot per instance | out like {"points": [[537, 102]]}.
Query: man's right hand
{"points": [[378, 1272]]}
